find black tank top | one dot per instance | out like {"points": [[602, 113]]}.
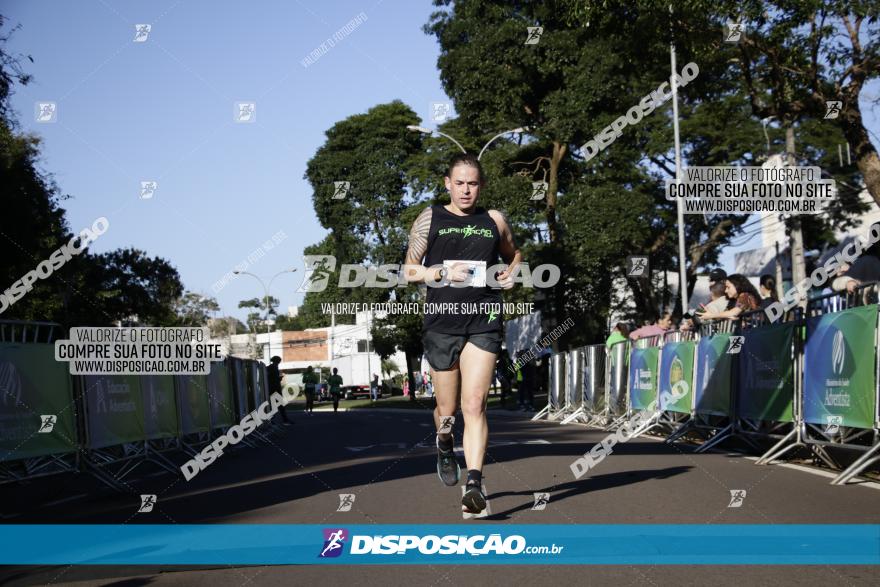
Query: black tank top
{"points": [[473, 237]]}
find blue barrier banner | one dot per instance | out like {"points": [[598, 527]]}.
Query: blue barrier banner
{"points": [[643, 378], [280, 544]]}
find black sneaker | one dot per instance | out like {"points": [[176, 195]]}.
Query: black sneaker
{"points": [[447, 466], [474, 500]]}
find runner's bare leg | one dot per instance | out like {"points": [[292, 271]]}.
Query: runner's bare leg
{"points": [[477, 368], [445, 393]]}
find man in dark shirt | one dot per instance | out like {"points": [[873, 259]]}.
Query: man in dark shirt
{"points": [[865, 269], [335, 383], [275, 386], [460, 244]]}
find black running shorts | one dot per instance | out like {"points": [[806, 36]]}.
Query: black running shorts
{"points": [[443, 350]]}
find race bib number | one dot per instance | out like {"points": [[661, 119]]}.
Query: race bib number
{"points": [[476, 270]]}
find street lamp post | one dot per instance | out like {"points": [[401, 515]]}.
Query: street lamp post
{"points": [[501, 134], [428, 131], [267, 299]]}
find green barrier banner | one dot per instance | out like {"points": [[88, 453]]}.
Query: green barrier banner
{"points": [[37, 416], [115, 409], [220, 395], [714, 375], [160, 406], [676, 372], [840, 386], [192, 393], [766, 374], [643, 365]]}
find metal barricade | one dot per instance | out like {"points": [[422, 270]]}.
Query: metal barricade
{"points": [[555, 388], [574, 405]]}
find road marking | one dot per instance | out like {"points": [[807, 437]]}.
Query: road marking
{"points": [[486, 512], [397, 445]]}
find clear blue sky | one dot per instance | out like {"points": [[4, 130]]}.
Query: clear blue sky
{"points": [[163, 110]]}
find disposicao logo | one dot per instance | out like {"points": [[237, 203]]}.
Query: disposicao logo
{"points": [[334, 542]]}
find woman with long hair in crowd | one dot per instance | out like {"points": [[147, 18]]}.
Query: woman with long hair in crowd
{"points": [[768, 290]]}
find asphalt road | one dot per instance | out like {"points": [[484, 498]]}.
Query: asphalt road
{"points": [[387, 460]]}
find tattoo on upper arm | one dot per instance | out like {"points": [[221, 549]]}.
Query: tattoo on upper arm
{"points": [[418, 238]]}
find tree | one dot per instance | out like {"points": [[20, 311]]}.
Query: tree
{"points": [[593, 62], [121, 286], [131, 288], [370, 225], [195, 309], [226, 326], [795, 57], [285, 322]]}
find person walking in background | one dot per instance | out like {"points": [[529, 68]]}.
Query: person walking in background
{"points": [[502, 373], [406, 387], [310, 383], [527, 378], [274, 376], [374, 388], [335, 383]]}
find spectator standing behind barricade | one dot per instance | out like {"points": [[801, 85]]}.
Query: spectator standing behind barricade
{"points": [[767, 289], [865, 269], [720, 301], [429, 385], [719, 276], [310, 382], [619, 333], [744, 295], [335, 383], [274, 377], [662, 324], [417, 379]]}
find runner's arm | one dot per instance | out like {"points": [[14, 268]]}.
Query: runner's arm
{"points": [[413, 270], [507, 248]]}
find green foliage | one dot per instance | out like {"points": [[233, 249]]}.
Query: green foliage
{"points": [[195, 309], [123, 286]]}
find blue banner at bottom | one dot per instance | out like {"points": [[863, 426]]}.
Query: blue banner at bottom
{"points": [[271, 544]]}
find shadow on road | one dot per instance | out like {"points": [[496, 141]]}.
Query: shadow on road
{"points": [[579, 487]]}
